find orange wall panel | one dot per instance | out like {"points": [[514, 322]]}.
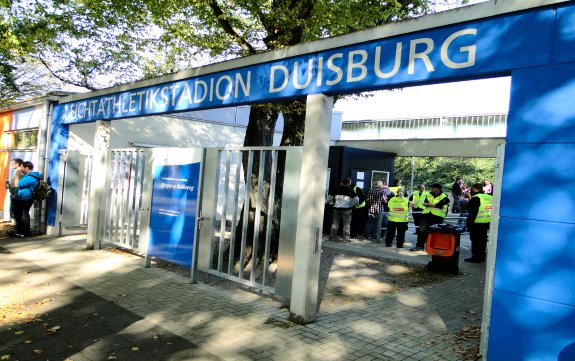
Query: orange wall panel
{"points": [[5, 124]]}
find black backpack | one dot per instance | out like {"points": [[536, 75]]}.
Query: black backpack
{"points": [[42, 191]]}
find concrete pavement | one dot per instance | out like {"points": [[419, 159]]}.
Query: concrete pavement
{"points": [[116, 309]]}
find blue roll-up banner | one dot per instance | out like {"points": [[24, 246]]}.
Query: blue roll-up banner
{"points": [[173, 214]]}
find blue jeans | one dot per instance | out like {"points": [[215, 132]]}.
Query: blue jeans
{"points": [[375, 226], [462, 222]]}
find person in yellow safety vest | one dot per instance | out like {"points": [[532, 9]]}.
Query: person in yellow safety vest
{"points": [[398, 217], [358, 214], [478, 222], [416, 202], [436, 206], [396, 186]]}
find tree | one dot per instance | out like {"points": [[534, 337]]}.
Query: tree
{"points": [[443, 170], [68, 43]]}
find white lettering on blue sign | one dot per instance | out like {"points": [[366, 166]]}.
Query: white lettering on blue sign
{"points": [[346, 68], [178, 96], [470, 50]]}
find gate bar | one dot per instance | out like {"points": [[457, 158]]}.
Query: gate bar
{"points": [[257, 215], [271, 205], [224, 213], [247, 204], [235, 214]]}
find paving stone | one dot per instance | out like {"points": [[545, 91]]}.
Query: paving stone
{"points": [[216, 322]]}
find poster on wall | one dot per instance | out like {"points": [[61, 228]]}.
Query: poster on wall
{"points": [[173, 212]]}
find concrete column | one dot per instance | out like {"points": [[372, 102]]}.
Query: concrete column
{"points": [[311, 205], [99, 186], [491, 254]]}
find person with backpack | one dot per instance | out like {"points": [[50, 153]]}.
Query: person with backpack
{"points": [[24, 199]]}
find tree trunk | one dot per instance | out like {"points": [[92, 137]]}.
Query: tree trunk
{"points": [[260, 132]]}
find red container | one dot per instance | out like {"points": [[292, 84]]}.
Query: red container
{"points": [[441, 244]]}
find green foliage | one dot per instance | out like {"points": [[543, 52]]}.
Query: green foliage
{"points": [[443, 170], [99, 43]]}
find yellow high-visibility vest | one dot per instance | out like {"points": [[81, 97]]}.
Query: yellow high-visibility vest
{"points": [[485, 205], [398, 209], [393, 189], [440, 212], [418, 199], [362, 204]]}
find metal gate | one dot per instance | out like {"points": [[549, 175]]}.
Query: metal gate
{"points": [[232, 241], [127, 168], [226, 240]]}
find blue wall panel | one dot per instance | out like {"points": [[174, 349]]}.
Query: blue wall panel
{"points": [[58, 142], [565, 35], [536, 259], [539, 182], [542, 106], [533, 309], [528, 329]]}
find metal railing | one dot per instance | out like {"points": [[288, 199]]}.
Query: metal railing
{"points": [[440, 127]]}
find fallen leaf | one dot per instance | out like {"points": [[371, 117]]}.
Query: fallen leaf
{"points": [[5, 357], [28, 341], [135, 348], [18, 332], [38, 351], [53, 329], [111, 357]]}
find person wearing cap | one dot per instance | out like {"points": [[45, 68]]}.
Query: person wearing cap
{"points": [[478, 221], [436, 205]]}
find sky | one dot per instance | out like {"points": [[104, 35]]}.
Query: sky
{"points": [[484, 96]]}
